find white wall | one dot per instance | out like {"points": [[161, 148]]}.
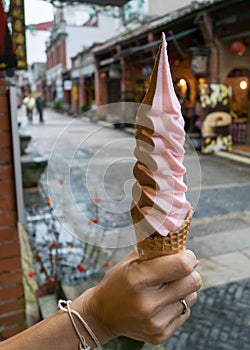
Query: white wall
{"points": [[161, 7], [80, 37], [35, 46], [77, 15]]}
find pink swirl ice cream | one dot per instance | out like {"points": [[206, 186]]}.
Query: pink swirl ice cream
{"points": [[159, 194]]}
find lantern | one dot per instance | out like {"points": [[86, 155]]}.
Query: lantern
{"points": [[238, 47], [103, 75]]}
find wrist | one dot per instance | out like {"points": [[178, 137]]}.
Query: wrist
{"points": [[88, 307]]}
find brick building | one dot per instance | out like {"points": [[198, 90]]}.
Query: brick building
{"points": [[67, 39], [12, 316]]}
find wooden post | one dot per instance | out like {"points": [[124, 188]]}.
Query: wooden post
{"points": [[206, 26], [248, 120]]}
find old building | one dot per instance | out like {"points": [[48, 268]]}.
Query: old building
{"points": [[207, 42], [69, 35], [83, 81]]}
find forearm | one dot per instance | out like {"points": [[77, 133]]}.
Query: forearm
{"points": [[55, 332]]}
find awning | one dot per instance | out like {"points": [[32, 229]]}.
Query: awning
{"points": [[148, 46], [93, 2], [155, 43]]}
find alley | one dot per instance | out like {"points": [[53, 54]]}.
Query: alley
{"points": [[218, 189]]}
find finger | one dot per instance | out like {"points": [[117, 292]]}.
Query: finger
{"points": [[155, 326], [164, 329], [160, 320], [167, 268], [176, 308], [170, 328], [177, 290], [190, 300]]}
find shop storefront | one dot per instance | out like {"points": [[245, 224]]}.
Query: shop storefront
{"points": [[238, 80], [67, 88], [203, 59]]}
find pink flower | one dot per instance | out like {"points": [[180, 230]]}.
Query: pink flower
{"points": [[61, 181]]}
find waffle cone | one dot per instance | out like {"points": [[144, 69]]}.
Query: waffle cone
{"points": [[156, 245]]}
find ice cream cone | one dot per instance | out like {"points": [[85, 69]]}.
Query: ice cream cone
{"points": [[160, 212], [156, 245]]}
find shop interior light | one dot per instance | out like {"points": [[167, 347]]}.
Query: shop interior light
{"points": [[202, 81], [182, 82], [243, 84]]}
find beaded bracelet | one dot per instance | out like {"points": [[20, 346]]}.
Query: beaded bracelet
{"points": [[83, 343]]}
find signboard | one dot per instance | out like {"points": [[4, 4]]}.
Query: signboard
{"points": [[75, 93], [7, 52], [199, 64], [18, 32], [199, 61], [215, 128], [67, 84]]}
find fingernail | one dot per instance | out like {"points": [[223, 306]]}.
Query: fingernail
{"points": [[197, 263]]}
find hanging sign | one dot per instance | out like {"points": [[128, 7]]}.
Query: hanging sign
{"points": [[7, 52], [67, 85], [199, 61], [18, 32]]}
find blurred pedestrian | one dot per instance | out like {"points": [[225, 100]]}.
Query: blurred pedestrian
{"points": [[40, 106], [29, 101]]}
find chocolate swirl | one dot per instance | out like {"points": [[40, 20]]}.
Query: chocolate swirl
{"points": [[159, 200]]}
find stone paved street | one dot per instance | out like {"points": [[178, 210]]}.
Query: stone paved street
{"points": [[219, 235], [220, 320]]}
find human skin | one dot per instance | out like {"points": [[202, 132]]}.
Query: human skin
{"points": [[140, 300]]}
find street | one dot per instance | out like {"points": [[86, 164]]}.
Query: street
{"points": [[100, 160], [75, 76]]}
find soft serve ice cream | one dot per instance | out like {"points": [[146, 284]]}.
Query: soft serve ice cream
{"points": [[159, 206]]}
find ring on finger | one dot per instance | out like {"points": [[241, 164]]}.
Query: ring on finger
{"points": [[185, 306]]}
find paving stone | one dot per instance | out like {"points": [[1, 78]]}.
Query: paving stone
{"points": [[224, 268], [200, 228], [226, 241], [218, 325]]}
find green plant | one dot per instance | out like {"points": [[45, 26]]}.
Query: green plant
{"points": [[58, 105], [84, 107]]}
